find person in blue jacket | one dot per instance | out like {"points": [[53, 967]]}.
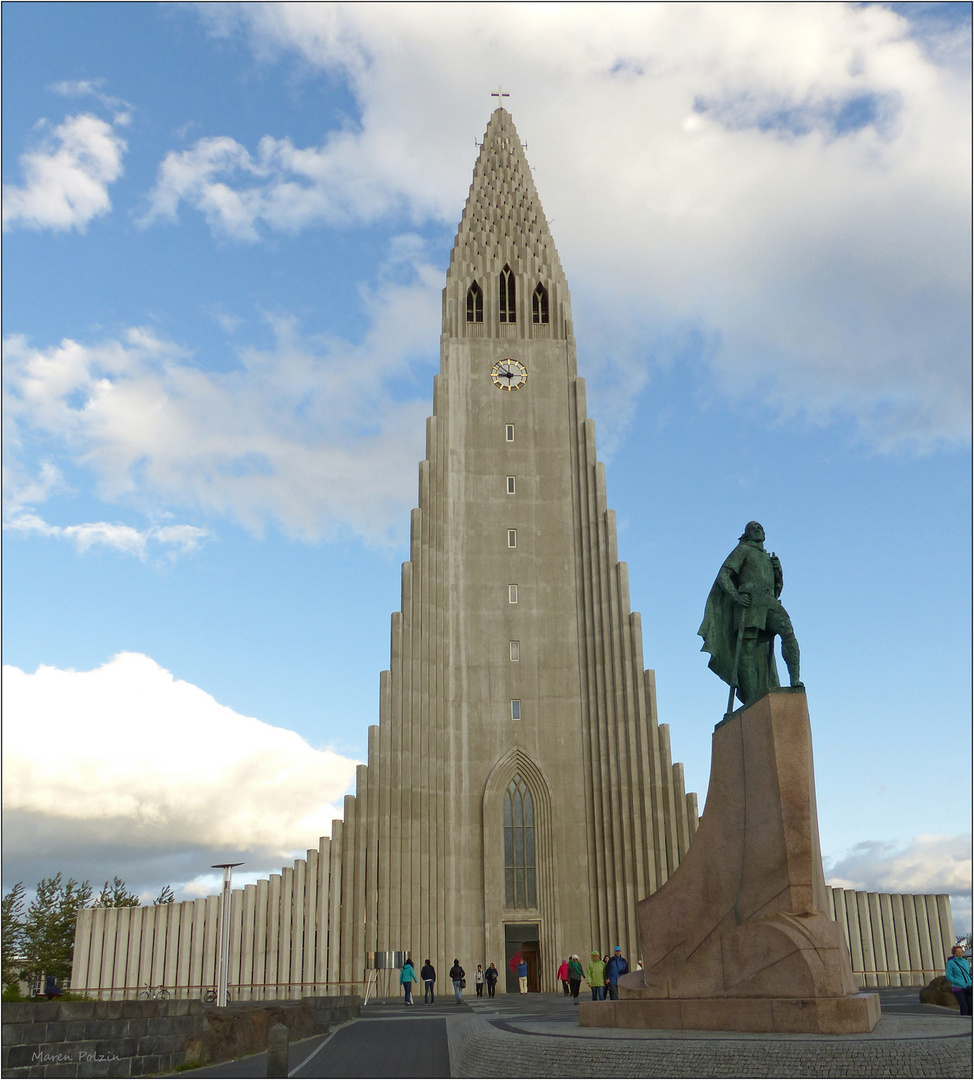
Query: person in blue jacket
{"points": [[614, 970], [959, 976]]}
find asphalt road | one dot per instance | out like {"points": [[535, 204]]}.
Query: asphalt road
{"points": [[380, 1045], [390, 1040]]}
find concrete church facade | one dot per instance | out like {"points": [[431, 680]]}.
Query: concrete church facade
{"points": [[519, 792]]}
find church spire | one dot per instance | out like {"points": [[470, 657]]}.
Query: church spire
{"points": [[503, 230]]}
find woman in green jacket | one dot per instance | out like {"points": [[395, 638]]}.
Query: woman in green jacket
{"points": [[595, 974], [575, 975]]}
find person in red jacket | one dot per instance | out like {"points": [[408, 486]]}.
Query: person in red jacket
{"points": [[563, 975]]}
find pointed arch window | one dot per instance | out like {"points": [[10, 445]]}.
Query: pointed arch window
{"points": [[507, 297], [520, 875], [475, 303], [539, 304]]}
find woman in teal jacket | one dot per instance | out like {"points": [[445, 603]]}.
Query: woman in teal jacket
{"points": [[407, 976], [959, 976]]}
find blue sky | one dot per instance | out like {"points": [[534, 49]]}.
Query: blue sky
{"points": [[225, 235]]}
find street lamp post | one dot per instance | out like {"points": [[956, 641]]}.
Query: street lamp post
{"points": [[224, 954]]}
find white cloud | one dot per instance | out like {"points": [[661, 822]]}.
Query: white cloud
{"points": [[307, 434], [227, 322], [78, 87], [183, 537], [67, 176], [20, 488], [93, 88], [927, 864], [128, 754], [179, 539], [282, 186], [790, 182]]}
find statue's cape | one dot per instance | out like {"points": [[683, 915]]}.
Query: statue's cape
{"points": [[719, 633]]}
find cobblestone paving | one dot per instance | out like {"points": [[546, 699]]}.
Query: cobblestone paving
{"points": [[920, 1045]]}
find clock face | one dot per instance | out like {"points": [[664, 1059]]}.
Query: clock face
{"points": [[508, 374]]}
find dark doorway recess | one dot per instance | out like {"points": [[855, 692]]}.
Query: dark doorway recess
{"points": [[524, 938]]}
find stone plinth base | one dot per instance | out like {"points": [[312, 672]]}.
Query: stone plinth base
{"points": [[738, 938], [858, 1013]]}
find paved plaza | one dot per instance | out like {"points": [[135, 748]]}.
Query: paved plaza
{"points": [[538, 1036]]}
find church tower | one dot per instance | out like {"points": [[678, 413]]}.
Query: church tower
{"points": [[519, 792]]}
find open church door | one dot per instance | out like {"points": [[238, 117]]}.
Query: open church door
{"points": [[523, 938]]}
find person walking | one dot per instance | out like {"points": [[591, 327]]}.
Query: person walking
{"points": [[491, 975], [614, 970], [457, 974], [407, 976], [575, 975], [479, 980], [595, 974], [428, 975], [563, 976], [959, 976], [522, 976]]}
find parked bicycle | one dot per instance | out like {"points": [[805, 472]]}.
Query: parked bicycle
{"points": [[157, 993], [209, 996]]}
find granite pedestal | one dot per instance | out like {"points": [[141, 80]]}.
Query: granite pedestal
{"points": [[738, 939]]}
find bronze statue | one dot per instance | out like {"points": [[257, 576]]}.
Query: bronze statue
{"points": [[742, 618]]}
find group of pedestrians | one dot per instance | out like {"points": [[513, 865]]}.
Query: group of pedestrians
{"points": [[407, 976], [602, 975]]}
